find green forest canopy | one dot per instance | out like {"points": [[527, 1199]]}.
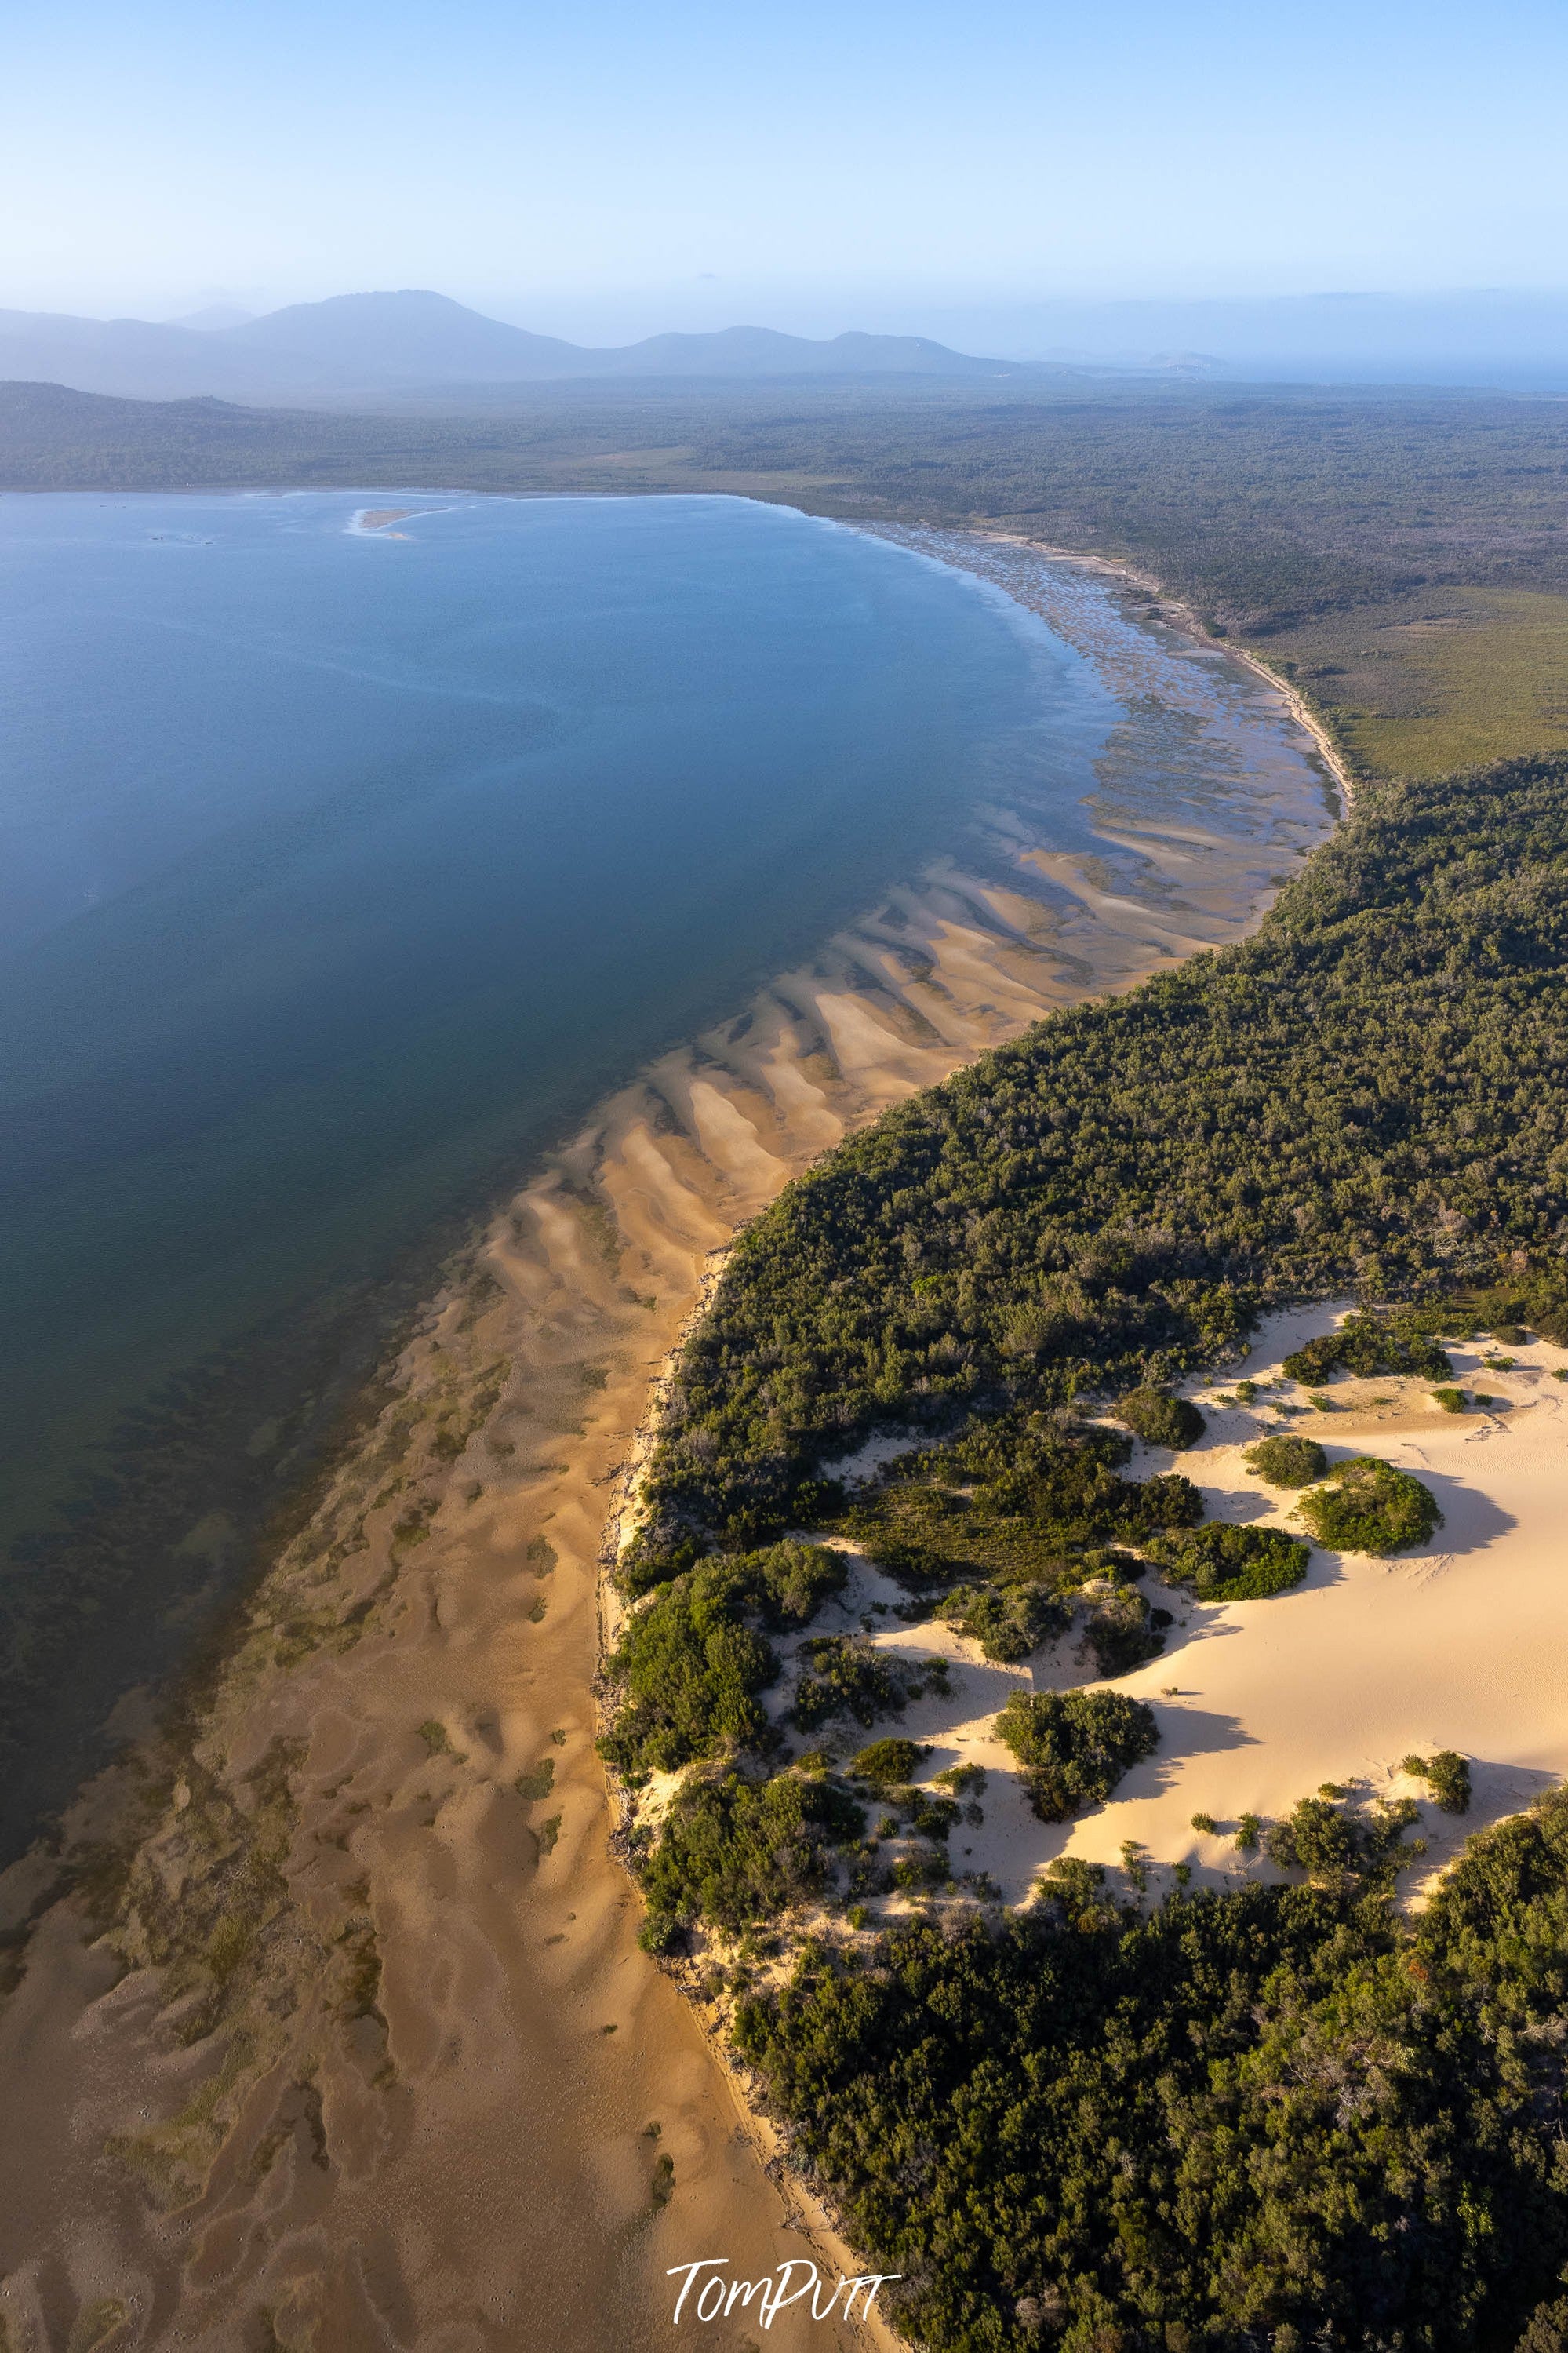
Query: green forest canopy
{"points": [[1371, 1093]]}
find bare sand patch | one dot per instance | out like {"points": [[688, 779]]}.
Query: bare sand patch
{"points": [[1458, 1645]]}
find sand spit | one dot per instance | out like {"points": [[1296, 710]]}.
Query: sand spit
{"points": [[370, 2057], [376, 523]]}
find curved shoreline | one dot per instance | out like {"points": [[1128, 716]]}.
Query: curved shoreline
{"points": [[446, 1956], [1176, 613]]}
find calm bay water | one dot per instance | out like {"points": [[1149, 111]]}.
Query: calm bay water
{"points": [[338, 870], [334, 867]]}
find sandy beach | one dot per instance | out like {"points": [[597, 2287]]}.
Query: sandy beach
{"points": [[370, 2054]]}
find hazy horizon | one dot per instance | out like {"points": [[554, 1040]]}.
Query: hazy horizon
{"points": [[611, 176], [1008, 328]]}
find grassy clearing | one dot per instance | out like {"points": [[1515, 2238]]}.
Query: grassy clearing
{"points": [[1441, 680]]}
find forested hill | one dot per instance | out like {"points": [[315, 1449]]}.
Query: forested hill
{"points": [[1371, 1094]]}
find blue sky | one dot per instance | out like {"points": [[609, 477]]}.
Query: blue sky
{"points": [[602, 169]]}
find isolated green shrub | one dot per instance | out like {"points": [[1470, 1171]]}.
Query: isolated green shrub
{"points": [[1366, 1506], [1286, 1461], [1074, 1746], [1224, 1563], [887, 1762], [1161, 1420], [1451, 1400], [1449, 1777]]}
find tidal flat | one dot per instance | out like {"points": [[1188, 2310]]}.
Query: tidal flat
{"points": [[345, 2037]]}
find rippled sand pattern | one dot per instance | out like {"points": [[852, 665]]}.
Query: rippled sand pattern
{"points": [[428, 2117]]}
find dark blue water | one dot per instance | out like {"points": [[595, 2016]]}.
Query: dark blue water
{"points": [[337, 869]]}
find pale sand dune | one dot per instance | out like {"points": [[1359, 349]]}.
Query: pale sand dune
{"points": [[426, 2137], [1462, 1645]]}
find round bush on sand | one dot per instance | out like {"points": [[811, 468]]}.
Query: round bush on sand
{"points": [[1161, 1420], [1286, 1461], [1366, 1506]]}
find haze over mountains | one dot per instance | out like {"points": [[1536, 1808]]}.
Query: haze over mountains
{"points": [[420, 347], [413, 344]]}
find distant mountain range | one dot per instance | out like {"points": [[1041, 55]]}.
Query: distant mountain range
{"points": [[417, 348], [359, 347]]}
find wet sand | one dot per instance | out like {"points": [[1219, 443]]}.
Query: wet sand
{"points": [[341, 2074]]}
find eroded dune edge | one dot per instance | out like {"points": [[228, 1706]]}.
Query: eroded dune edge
{"points": [[341, 2036]]}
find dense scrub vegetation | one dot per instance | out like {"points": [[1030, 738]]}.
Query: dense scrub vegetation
{"points": [[844, 1678], [690, 1665], [1367, 1095], [1258, 2122], [1020, 1498], [733, 1851], [1367, 1344], [1277, 2118]]}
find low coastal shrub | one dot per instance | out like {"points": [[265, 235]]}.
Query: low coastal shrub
{"points": [[1161, 1420], [733, 1851], [1369, 1342], [690, 1662], [843, 1677], [1286, 1461], [1074, 1746], [1011, 1501], [1007, 1622], [1452, 1400], [1122, 1634], [1366, 1506], [1223, 1562], [1332, 1845], [886, 1762], [687, 1672], [928, 1816], [1447, 1775]]}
